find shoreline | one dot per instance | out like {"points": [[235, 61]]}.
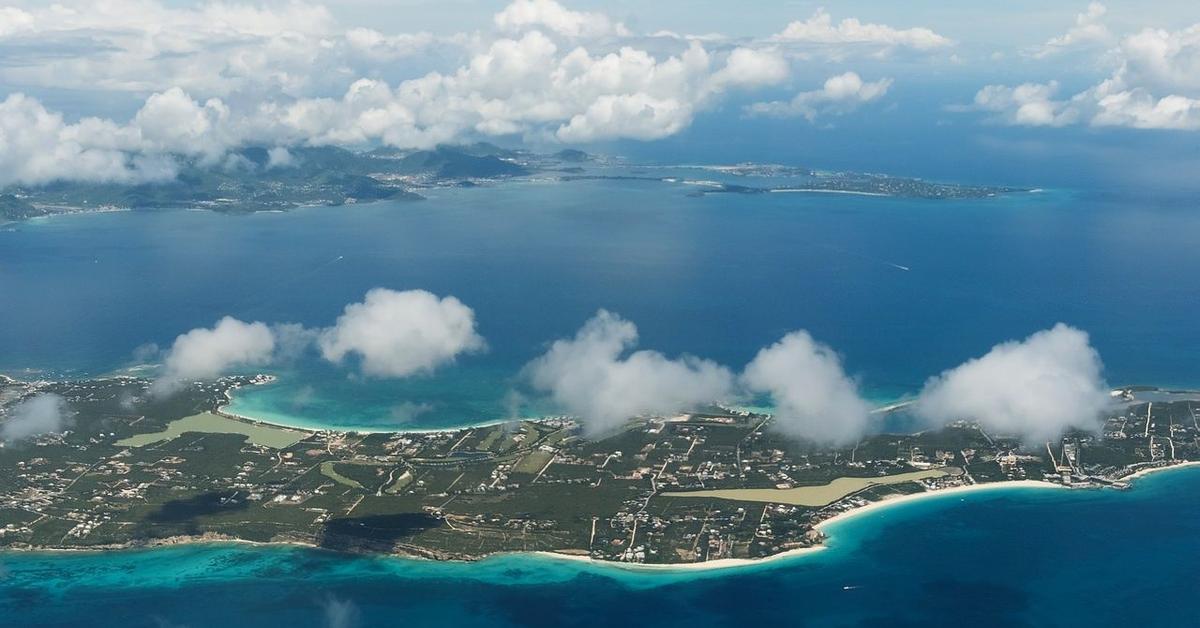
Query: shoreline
{"points": [[399, 429], [733, 563], [1151, 470], [872, 507], [224, 411], [706, 566]]}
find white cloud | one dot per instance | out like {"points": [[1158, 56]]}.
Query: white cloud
{"points": [[280, 157], [14, 20], [395, 334], [522, 15], [1035, 388], [1089, 29], [591, 376], [40, 414], [840, 94], [216, 48], [813, 397], [752, 67], [408, 411], [1138, 108], [38, 146], [205, 353], [171, 122], [1160, 60], [379, 47], [398, 334], [530, 83], [1155, 85], [1029, 104], [222, 75], [341, 613], [820, 29]]}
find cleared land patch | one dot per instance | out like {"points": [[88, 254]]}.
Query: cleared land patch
{"points": [[821, 495], [330, 472], [207, 422]]}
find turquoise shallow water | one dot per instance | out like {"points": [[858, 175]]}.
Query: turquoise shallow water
{"points": [[718, 277], [1015, 557]]}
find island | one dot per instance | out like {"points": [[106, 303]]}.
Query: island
{"points": [[712, 487], [257, 179]]}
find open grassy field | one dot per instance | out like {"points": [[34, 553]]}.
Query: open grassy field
{"points": [[812, 496], [207, 422], [330, 472], [533, 462]]}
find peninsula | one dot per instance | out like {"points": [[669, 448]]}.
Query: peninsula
{"points": [[719, 485]]}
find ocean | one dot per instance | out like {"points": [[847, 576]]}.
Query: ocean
{"points": [[1006, 557], [902, 288]]}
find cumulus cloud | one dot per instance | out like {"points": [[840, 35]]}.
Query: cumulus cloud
{"points": [[1035, 388], [820, 29], [398, 334], [226, 75], [840, 94], [208, 352], [1155, 84], [1029, 104], [37, 415], [752, 67], [380, 47], [550, 15], [394, 334], [595, 377], [144, 45], [532, 86], [38, 146], [1089, 29], [280, 157], [813, 397]]}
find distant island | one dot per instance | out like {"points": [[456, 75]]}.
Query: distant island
{"points": [[708, 488], [256, 179]]}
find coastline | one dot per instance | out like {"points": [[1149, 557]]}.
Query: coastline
{"points": [[873, 507], [707, 566], [882, 407], [225, 410], [1150, 470], [731, 563], [578, 555], [824, 191]]}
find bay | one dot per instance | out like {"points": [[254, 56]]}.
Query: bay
{"points": [[717, 276]]}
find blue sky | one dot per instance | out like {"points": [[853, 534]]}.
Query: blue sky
{"points": [[1025, 92]]}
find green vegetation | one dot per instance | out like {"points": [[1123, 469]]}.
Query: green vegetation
{"points": [[137, 469], [13, 208], [249, 180], [328, 470], [533, 463], [254, 179]]}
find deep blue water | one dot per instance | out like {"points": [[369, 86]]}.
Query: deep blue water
{"points": [[1009, 557], [718, 277]]}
